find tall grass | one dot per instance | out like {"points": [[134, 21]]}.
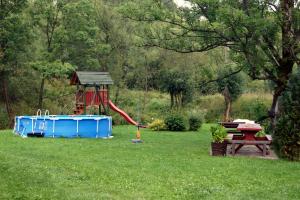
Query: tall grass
{"points": [[146, 106]]}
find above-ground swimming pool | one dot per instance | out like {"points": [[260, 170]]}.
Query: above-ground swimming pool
{"points": [[68, 126]]}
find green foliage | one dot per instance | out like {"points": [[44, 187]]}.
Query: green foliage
{"points": [[251, 106], [247, 106], [178, 84], [55, 69], [81, 39], [195, 121], [252, 31], [233, 83], [91, 35], [219, 133], [175, 122], [3, 117], [157, 125], [260, 134], [287, 132], [15, 35]]}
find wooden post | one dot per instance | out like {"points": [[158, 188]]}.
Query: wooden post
{"points": [[101, 100], [233, 149], [107, 89], [84, 100], [264, 149], [99, 106]]}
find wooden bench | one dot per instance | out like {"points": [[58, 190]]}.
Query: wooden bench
{"points": [[231, 127], [230, 124]]}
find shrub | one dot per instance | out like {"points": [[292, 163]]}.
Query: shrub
{"points": [[286, 139], [252, 106], [287, 131], [219, 133], [175, 122], [3, 118], [157, 125], [260, 134], [195, 122]]}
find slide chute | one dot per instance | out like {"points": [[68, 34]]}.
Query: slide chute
{"points": [[122, 113]]}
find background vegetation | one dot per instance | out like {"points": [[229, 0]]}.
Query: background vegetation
{"points": [[162, 58]]}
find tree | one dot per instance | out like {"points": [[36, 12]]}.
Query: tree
{"points": [[14, 38], [50, 70], [263, 36], [287, 132], [231, 89], [47, 16], [178, 84], [82, 42]]}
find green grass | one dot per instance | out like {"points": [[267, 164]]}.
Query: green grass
{"points": [[166, 166]]}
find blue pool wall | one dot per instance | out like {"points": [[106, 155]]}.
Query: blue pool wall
{"points": [[83, 126]]}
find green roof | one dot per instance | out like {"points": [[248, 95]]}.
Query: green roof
{"points": [[91, 78]]}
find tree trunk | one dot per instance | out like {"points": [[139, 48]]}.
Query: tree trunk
{"points": [[227, 112], [172, 99], [41, 94], [227, 100], [273, 112], [146, 90], [177, 100], [287, 61], [117, 95], [7, 101]]}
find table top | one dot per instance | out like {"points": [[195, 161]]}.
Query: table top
{"points": [[249, 127], [230, 124]]}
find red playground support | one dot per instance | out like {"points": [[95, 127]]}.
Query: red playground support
{"points": [[93, 91]]}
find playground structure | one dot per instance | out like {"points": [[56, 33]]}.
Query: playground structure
{"points": [[93, 91]]}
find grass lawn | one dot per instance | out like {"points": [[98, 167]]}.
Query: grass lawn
{"points": [[167, 166]]}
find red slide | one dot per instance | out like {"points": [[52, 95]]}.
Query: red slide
{"points": [[122, 113]]}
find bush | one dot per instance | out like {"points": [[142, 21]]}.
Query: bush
{"points": [[3, 118], [261, 133], [287, 131], [286, 139], [219, 133], [157, 125], [195, 122], [175, 122]]}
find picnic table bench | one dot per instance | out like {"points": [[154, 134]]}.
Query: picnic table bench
{"points": [[231, 127], [230, 124], [249, 139]]}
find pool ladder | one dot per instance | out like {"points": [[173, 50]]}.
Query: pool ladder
{"points": [[42, 128]]}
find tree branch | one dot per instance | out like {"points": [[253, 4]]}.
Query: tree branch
{"points": [[221, 78]]}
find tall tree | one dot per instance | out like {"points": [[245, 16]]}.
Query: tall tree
{"points": [[47, 16], [179, 85], [231, 89], [263, 36], [81, 39], [14, 38]]}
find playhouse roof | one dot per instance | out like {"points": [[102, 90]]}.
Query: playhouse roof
{"points": [[91, 78]]}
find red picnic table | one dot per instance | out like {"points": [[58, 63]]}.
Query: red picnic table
{"points": [[248, 138]]}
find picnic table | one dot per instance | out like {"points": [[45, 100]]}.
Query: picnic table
{"points": [[248, 138]]}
